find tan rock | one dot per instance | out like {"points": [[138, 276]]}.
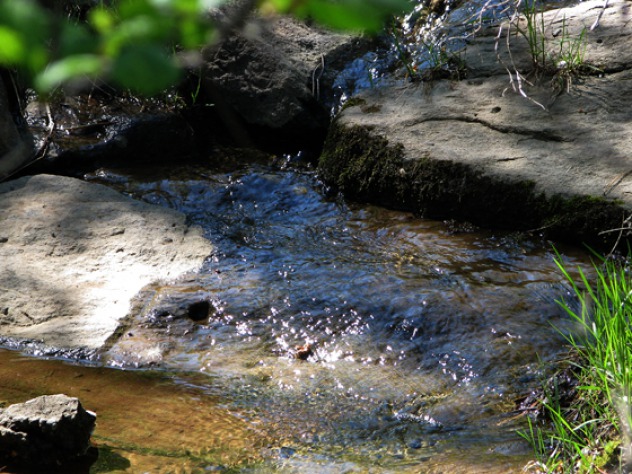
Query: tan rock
{"points": [[477, 149], [74, 254]]}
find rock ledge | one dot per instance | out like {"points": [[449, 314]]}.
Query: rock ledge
{"points": [[475, 150]]}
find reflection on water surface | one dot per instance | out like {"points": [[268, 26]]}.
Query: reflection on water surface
{"points": [[421, 334]]}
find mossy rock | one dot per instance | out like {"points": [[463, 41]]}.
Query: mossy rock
{"points": [[364, 166]]}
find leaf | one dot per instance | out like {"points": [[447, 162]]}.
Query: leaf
{"points": [[141, 29], [67, 69], [365, 15], [101, 19], [134, 8], [11, 46], [187, 7], [145, 69], [283, 6], [348, 15], [75, 39], [25, 16], [193, 34]]}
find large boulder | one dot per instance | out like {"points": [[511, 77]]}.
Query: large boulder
{"points": [[271, 82], [74, 254], [557, 160], [45, 432], [15, 150]]}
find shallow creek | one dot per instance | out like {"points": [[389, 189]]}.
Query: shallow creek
{"points": [[422, 334]]}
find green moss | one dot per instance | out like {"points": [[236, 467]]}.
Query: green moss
{"points": [[371, 109], [353, 102], [364, 166], [609, 455], [582, 218]]}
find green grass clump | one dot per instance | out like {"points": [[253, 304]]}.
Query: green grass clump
{"points": [[587, 430]]}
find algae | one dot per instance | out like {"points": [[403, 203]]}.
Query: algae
{"points": [[364, 166]]}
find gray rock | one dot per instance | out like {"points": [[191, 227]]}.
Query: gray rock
{"points": [[45, 431], [477, 150], [74, 254], [15, 151], [140, 140], [273, 75]]}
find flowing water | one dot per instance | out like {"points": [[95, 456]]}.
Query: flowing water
{"points": [[322, 336], [356, 338]]}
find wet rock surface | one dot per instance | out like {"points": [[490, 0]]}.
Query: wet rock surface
{"points": [[79, 134], [477, 150], [74, 254], [45, 432], [124, 141]]}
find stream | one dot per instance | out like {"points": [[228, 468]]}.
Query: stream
{"points": [[321, 336], [350, 337]]}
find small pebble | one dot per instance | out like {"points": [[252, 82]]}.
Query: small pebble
{"points": [[415, 444], [286, 452]]}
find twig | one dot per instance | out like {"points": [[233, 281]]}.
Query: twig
{"points": [[49, 135], [316, 79], [625, 225], [615, 182], [596, 23]]}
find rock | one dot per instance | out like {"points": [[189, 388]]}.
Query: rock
{"points": [[15, 151], [478, 151], [268, 81], [415, 444], [74, 254], [160, 314], [125, 141], [46, 431], [101, 130]]}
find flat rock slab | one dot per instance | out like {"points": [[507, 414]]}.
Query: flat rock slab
{"points": [[582, 145], [74, 254], [476, 149]]}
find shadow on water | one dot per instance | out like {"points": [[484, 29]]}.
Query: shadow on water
{"points": [[355, 335]]}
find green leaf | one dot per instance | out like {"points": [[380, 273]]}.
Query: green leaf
{"points": [[67, 69], [75, 39], [101, 19], [283, 6], [365, 15], [145, 69], [11, 46], [24, 15], [187, 7], [134, 8], [140, 29], [193, 34], [36, 59], [349, 15]]}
